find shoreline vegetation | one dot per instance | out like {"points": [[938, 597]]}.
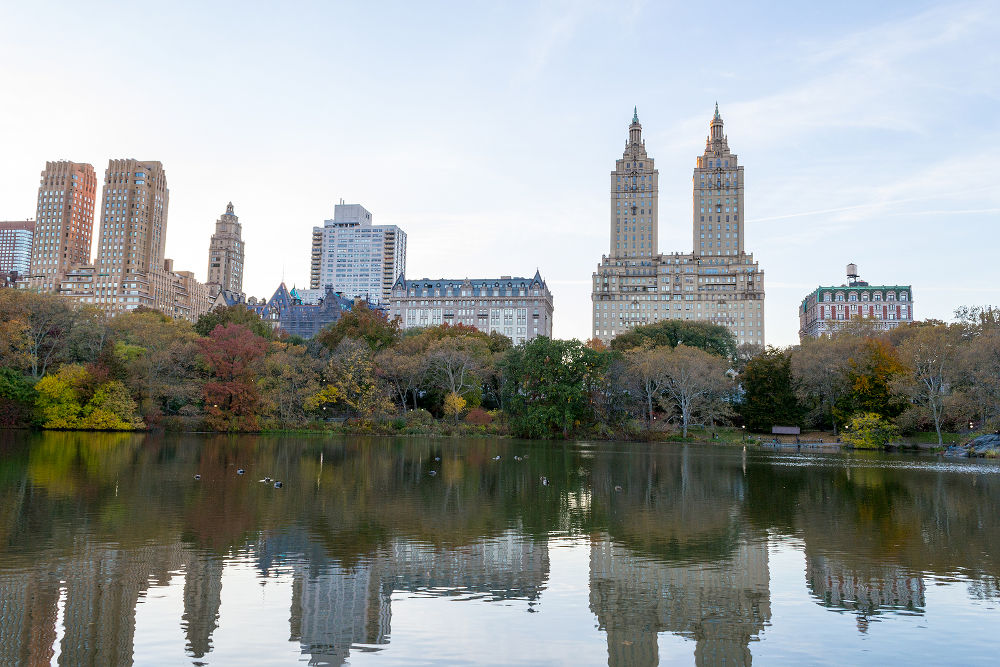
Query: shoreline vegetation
{"points": [[64, 366]]}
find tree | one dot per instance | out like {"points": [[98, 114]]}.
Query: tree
{"points": [[820, 374], [232, 353], [454, 364], [713, 338], [351, 382], [647, 367], [453, 406], [235, 314], [60, 397], [403, 367], [546, 386], [289, 375], [873, 370], [869, 430], [769, 391], [111, 409], [694, 381], [155, 356], [931, 353], [17, 398], [39, 324], [361, 323]]}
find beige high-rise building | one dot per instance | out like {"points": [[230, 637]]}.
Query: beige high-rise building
{"points": [[130, 269], [717, 282], [64, 223], [225, 254]]}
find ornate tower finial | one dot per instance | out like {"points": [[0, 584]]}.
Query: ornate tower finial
{"points": [[717, 111], [229, 209], [635, 114]]}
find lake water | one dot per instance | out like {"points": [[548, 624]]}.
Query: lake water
{"points": [[631, 554]]}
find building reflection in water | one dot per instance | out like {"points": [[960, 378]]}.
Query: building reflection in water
{"points": [[865, 588], [720, 604]]}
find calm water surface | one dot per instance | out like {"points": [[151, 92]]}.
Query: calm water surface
{"points": [[112, 553]]}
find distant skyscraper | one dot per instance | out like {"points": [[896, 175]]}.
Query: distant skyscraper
{"points": [[16, 238], [225, 254], [130, 269], [717, 282], [64, 222], [356, 258]]}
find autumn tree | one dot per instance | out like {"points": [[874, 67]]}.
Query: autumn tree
{"points": [[156, 356], [695, 381], [454, 364], [872, 372], [289, 375], [453, 406], [38, 327], [232, 354], [647, 368], [820, 375], [403, 367], [371, 326], [931, 355], [350, 382]]}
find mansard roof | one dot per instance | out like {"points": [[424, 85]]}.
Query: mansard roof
{"points": [[473, 283]]}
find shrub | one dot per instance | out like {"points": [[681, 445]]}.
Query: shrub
{"points": [[869, 430], [419, 417], [478, 417]]}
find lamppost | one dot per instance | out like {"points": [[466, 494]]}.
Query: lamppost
{"points": [[744, 428]]}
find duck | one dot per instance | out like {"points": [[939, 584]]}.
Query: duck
{"points": [[278, 485], [517, 458], [437, 458], [496, 458], [545, 480], [618, 487], [266, 480], [197, 477], [240, 471], [432, 473]]}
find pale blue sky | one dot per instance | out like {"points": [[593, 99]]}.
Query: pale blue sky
{"points": [[869, 131]]}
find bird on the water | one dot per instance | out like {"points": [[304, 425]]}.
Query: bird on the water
{"points": [[197, 477], [278, 485], [240, 471]]}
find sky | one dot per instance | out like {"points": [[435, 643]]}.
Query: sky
{"points": [[869, 132]]}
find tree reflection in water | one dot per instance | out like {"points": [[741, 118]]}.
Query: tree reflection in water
{"points": [[679, 535]]}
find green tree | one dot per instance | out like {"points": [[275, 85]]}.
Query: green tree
{"points": [[350, 382], [235, 314], [546, 386], [361, 323], [289, 375], [17, 398], [873, 371], [768, 388], [712, 338]]}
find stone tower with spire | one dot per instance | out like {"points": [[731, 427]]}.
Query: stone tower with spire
{"points": [[717, 197], [717, 281], [633, 199], [225, 255]]}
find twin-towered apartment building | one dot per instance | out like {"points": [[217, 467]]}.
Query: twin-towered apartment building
{"points": [[717, 282]]}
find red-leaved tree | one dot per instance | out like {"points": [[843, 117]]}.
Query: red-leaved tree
{"points": [[232, 400]]}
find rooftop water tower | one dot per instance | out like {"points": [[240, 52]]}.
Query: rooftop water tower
{"points": [[852, 274]]}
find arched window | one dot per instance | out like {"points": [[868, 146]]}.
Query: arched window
{"points": [[840, 296], [902, 296], [891, 296]]}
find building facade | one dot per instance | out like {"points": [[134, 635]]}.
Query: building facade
{"points": [[355, 257], [286, 311], [225, 254], [519, 308], [717, 281], [130, 269], [16, 239], [64, 222], [826, 309]]}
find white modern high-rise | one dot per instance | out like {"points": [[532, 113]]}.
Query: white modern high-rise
{"points": [[355, 257], [16, 239]]}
